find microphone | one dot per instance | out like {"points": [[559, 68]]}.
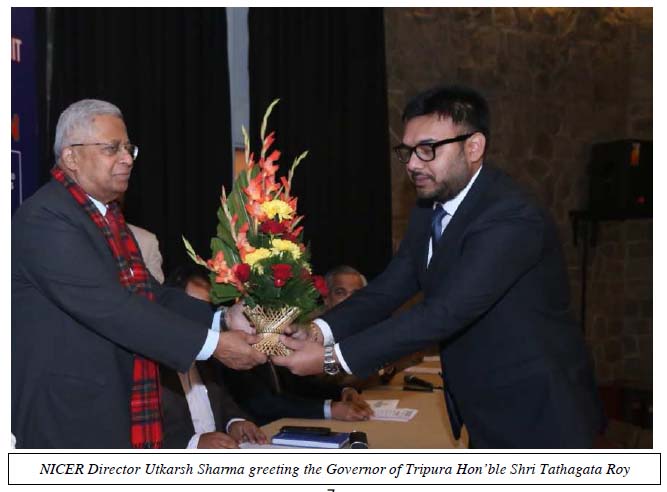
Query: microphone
{"points": [[358, 440], [416, 384]]}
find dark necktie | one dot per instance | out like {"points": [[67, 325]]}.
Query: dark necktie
{"points": [[436, 224]]}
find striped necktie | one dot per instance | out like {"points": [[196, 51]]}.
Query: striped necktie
{"points": [[439, 213]]}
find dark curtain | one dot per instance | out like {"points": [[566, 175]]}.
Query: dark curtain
{"points": [[328, 67], [166, 69]]}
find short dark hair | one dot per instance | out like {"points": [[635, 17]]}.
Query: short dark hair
{"points": [[463, 105]]}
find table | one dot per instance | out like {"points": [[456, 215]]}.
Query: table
{"points": [[429, 429]]}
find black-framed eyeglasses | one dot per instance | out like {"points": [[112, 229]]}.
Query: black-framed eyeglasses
{"points": [[425, 151], [112, 149]]}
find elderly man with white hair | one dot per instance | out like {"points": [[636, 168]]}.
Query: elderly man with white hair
{"points": [[89, 324]]}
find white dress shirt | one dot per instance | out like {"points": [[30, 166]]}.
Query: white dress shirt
{"points": [[199, 404]]}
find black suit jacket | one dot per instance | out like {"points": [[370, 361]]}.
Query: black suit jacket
{"points": [[496, 300], [293, 396], [178, 427], [75, 329]]}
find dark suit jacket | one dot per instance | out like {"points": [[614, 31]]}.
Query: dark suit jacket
{"points": [[75, 329], [178, 428], [295, 397], [496, 300]]}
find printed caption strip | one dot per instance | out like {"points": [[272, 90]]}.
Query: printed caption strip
{"points": [[342, 467]]}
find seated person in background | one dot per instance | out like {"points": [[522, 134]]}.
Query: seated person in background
{"points": [[342, 281], [268, 394], [196, 405], [149, 246]]}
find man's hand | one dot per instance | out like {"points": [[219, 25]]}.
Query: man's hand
{"points": [[296, 331], [315, 333], [216, 440], [246, 431], [234, 350], [311, 332], [351, 395], [307, 358], [236, 320], [347, 410]]}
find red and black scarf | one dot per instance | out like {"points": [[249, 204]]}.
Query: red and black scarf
{"points": [[145, 413]]}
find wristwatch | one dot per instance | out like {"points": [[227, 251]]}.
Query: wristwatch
{"points": [[330, 365], [223, 321]]}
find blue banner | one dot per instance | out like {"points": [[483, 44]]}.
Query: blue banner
{"points": [[25, 164]]}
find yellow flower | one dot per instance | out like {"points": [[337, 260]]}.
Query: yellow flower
{"points": [[279, 208], [257, 255], [278, 245]]}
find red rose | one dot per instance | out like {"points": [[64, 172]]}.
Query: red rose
{"points": [[242, 271], [282, 272], [272, 227], [321, 285]]}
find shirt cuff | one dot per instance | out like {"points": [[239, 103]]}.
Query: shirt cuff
{"points": [[231, 421], [210, 344], [215, 324], [341, 361], [193, 442], [327, 409], [326, 331]]}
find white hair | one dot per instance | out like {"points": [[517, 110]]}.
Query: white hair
{"points": [[329, 276], [78, 116]]}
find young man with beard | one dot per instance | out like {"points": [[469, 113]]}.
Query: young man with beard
{"points": [[489, 264]]}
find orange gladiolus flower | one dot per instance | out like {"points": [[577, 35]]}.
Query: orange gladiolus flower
{"points": [[254, 189], [224, 274], [255, 211], [267, 164], [286, 186], [242, 243], [268, 141]]}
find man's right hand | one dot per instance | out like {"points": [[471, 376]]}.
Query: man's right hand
{"points": [[216, 440], [311, 332], [234, 350]]}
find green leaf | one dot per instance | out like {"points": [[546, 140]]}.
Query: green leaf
{"points": [[222, 293], [262, 131], [191, 252], [295, 164]]}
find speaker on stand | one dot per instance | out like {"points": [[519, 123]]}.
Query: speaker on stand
{"points": [[620, 187], [621, 180]]}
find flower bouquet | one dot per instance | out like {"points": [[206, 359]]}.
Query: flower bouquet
{"points": [[258, 253]]}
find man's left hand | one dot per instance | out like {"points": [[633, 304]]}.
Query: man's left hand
{"points": [[246, 431], [236, 320], [351, 395], [307, 358]]}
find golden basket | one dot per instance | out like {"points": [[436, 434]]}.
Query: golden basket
{"points": [[270, 323]]}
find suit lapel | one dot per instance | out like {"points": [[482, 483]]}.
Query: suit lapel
{"points": [[96, 235], [467, 210], [422, 238]]}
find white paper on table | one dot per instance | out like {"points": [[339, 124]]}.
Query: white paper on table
{"points": [[382, 404], [422, 370], [395, 414]]}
